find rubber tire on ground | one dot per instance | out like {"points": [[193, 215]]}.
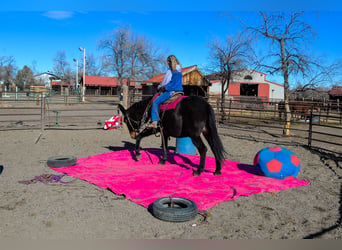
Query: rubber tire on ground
{"points": [[61, 161], [184, 210]]}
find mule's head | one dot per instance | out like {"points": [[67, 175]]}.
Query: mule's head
{"points": [[131, 120]]}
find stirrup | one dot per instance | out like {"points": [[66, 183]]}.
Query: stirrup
{"points": [[152, 125]]}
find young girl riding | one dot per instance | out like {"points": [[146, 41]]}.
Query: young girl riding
{"points": [[171, 83]]}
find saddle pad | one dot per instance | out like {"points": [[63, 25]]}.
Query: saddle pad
{"points": [[167, 104]]}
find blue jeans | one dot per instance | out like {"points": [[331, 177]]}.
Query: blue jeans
{"points": [[155, 106]]}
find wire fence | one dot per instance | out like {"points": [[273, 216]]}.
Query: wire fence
{"points": [[56, 112], [313, 124]]}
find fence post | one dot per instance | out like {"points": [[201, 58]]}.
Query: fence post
{"points": [[218, 109], [125, 96], [42, 114], [310, 128], [66, 94], [230, 106], [339, 109], [16, 93], [37, 97]]}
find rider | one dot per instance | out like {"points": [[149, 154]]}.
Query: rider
{"points": [[171, 83]]}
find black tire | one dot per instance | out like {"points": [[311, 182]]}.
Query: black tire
{"points": [[61, 161], [183, 209]]}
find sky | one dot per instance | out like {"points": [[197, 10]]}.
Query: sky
{"points": [[34, 31]]}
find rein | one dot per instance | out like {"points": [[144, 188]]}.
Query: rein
{"points": [[138, 123]]}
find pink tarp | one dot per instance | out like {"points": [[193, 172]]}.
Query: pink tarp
{"points": [[145, 180]]}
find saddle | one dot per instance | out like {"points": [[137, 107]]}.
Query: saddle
{"points": [[170, 103]]}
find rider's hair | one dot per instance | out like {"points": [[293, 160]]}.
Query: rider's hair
{"points": [[172, 61]]}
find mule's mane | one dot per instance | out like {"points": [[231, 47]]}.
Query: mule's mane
{"points": [[141, 105]]}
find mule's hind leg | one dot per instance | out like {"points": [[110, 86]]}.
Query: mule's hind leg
{"points": [[202, 150], [214, 149]]}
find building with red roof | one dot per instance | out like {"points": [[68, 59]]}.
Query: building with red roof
{"points": [[105, 85], [194, 82], [335, 93], [59, 85], [248, 82]]}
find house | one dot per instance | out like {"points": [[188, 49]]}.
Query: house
{"points": [[335, 93], [105, 85], [59, 85], [248, 82], [45, 79], [194, 83]]}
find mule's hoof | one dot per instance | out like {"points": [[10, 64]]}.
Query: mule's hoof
{"points": [[218, 173], [196, 173], [138, 157], [161, 162]]}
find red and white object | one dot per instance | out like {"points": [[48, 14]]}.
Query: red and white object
{"points": [[113, 123]]}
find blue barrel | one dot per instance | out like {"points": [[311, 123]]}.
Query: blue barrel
{"points": [[185, 146]]}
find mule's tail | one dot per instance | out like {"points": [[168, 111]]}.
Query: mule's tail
{"points": [[212, 137]]}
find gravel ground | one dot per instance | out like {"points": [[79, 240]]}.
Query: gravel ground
{"points": [[81, 210]]}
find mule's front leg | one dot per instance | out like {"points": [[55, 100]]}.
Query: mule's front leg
{"points": [[137, 148], [144, 133], [164, 146]]}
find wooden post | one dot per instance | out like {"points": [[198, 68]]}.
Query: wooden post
{"points": [[310, 128], [286, 130], [218, 110], [339, 109], [42, 114], [66, 94], [125, 96], [42, 118], [230, 108], [37, 97]]}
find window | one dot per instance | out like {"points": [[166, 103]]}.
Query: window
{"points": [[248, 77]]}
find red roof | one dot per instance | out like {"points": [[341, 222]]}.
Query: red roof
{"points": [[106, 81], [60, 83], [215, 81], [336, 90], [160, 77]]}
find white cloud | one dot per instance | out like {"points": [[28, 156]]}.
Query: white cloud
{"points": [[59, 15]]}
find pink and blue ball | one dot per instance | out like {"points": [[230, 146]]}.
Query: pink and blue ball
{"points": [[277, 162]]}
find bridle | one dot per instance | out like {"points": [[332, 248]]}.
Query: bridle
{"points": [[137, 123]]}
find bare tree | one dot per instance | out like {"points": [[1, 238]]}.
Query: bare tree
{"points": [[315, 85], [62, 67], [321, 75], [228, 56], [129, 55], [7, 70], [24, 78], [288, 38], [145, 59], [94, 66], [33, 67]]}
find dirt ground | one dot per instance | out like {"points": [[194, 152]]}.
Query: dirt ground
{"points": [[81, 210]]}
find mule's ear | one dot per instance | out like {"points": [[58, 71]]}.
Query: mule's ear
{"points": [[122, 109]]}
